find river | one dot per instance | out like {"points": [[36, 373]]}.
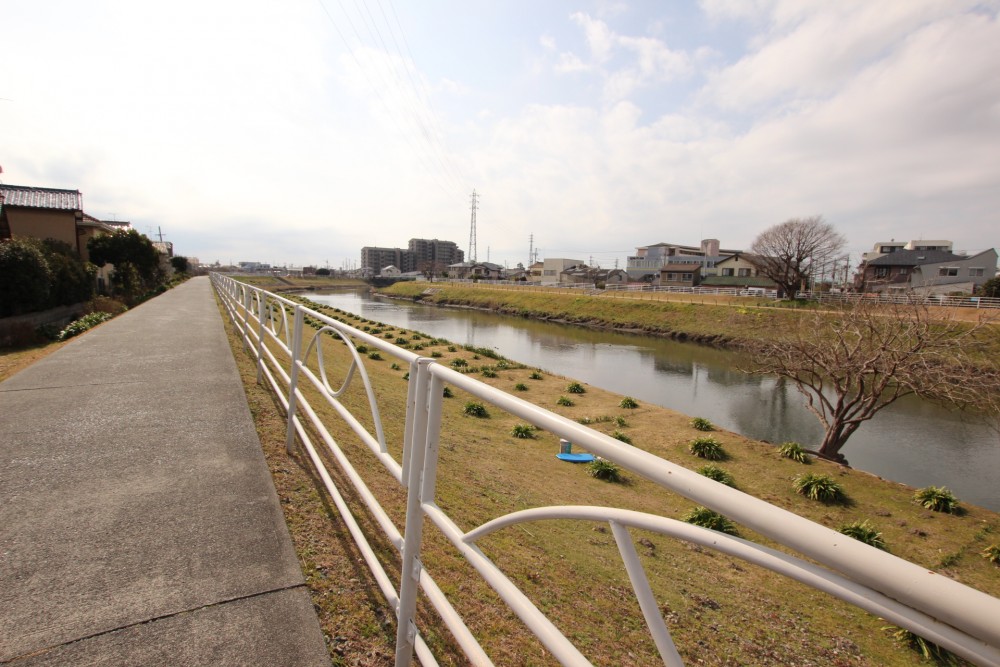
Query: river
{"points": [[911, 441]]}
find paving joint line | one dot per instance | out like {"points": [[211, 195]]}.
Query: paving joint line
{"points": [[219, 603]]}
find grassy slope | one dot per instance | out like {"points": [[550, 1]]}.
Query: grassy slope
{"points": [[709, 318], [721, 611]]}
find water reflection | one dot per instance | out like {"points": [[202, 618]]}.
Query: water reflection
{"points": [[911, 441]]}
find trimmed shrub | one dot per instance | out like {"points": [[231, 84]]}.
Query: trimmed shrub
{"points": [[992, 554], [475, 409], [535, 375], [794, 451], [488, 372], [520, 386], [604, 469], [447, 392], [575, 388], [819, 487], [708, 448], [523, 431], [938, 499], [716, 473], [629, 403], [375, 356], [862, 531], [927, 649], [77, 327], [701, 424], [706, 518], [459, 363]]}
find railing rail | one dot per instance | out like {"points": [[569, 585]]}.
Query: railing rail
{"points": [[952, 615]]}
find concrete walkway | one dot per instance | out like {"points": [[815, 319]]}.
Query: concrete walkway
{"points": [[138, 521]]}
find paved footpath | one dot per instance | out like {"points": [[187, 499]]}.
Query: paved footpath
{"points": [[138, 521]]}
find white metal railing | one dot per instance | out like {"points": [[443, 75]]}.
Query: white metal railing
{"points": [[956, 617]]}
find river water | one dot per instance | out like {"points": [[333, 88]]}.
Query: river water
{"points": [[911, 441]]}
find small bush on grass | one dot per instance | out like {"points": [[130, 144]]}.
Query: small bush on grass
{"points": [[862, 531], [394, 366], [77, 327], [992, 554], [451, 348], [375, 356], [489, 372], [706, 518], [474, 409], [459, 363], [436, 355], [713, 471], [618, 435], [794, 451], [820, 487], [575, 388], [535, 375], [604, 469], [702, 424], [629, 403], [523, 431], [520, 386], [929, 650], [403, 342], [565, 402], [938, 499], [362, 349], [621, 422], [447, 392], [707, 448]]}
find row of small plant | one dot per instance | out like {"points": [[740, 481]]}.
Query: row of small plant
{"points": [[85, 323]]}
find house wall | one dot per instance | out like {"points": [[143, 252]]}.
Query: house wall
{"points": [[973, 271], [43, 224]]}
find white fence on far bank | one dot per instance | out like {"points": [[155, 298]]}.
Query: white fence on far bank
{"points": [[274, 331]]}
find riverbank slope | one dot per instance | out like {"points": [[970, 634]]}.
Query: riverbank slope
{"points": [[718, 320]]}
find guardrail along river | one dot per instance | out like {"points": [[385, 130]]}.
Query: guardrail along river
{"points": [[911, 441]]}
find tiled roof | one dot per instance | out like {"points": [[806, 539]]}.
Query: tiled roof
{"points": [[31, 197], [915, 258]]}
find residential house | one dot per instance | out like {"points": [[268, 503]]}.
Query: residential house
{"points": [[927, 272], [51, 213], [475, 271], [739, 271], [682, 274], [389, 272], [645, 265], [590, 275], [553, 267], [887, 247]]}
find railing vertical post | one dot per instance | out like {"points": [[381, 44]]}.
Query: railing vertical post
{"points": [[260, 335], [245, 294], [409, 576], [294, 377]]}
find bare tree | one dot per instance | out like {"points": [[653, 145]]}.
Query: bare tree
{"points": [[852, 363], [786, 253]]}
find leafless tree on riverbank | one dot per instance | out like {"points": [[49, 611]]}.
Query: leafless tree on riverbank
{"points": [[789, 252], [852, 363]]}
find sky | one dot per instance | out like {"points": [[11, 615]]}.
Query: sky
{"points": [[295, 132]]}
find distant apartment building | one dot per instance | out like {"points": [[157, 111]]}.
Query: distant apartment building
{"points": [[420, 255], [433, 251], [649, 260]]}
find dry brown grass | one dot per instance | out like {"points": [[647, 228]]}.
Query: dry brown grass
{"points": [[721, 611]]}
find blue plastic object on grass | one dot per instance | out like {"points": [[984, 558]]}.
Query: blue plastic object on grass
{"points": [[575, 458]]}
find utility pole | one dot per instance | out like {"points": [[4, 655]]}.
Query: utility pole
{"points": [[531, 249], [472, 229]]}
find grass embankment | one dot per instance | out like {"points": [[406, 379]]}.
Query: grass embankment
{"points": [[721, 611], [711, 319]]}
